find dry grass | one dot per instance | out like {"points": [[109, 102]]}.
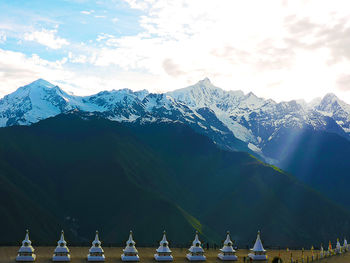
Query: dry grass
{"points": [[44, 254]]}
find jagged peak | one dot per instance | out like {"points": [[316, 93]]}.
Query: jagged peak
{"points": [[251, 94], [41, 83], [200, 87], [205, 81], [205, 84], [37, 86], [330, 97]]}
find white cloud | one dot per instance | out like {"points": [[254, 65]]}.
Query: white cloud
{"points": [[301, 45], [77, 58], [17, 69], [47, 38], [87, 12], [277, 49]]}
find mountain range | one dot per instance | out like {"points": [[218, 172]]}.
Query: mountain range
{"points": [[307, 140], [81, 172], [231, 119], [235, 121]]}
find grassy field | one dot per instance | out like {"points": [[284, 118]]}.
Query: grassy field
{"points": [[44, 254]]}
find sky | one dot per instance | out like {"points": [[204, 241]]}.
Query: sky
{"points": [[279, 49]]}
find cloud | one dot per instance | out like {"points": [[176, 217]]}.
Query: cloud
{"points": [[171, 68], [77, 58], [343, 82], [293, 49], [17, 69], [47, 38], [87, 12], [333, 35]]}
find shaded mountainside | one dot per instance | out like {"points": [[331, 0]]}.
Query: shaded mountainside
{"points": [[89, 173], [317, 158]]}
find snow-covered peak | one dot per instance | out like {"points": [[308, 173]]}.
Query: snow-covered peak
{"points": [[331, 104], [201, 94], [38, 86], [205, 94], [205, 82], [330, 97], [205, 107], [141, 94], [251, 101], [40, 83], [33, 102]]}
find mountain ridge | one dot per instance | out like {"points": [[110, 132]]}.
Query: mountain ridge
{"points": [[252, 120], [106, 174]]}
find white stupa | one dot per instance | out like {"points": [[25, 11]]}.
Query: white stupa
{"points": [[196, 252], [258, 252], [227, 251], [338, 247], [345, 245], [26, 251], [163, 252], [96, 252], [130, 251], [322, 253], [61, 252]]}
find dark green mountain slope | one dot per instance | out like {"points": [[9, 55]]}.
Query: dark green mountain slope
{"points": [[319, 159], [18, 212], [92, 174]]}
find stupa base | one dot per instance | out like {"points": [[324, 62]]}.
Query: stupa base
{"points": [[95, 258], [26, 258], [260, 258], [61, 258], [227, 257], [195, 258], [130, 258], [163, 258]]}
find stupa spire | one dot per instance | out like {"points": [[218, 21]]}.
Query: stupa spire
{"points": [[26, 251], [196, 240], [62, 241], [227, 251], [130, 240], [164, 241], [228, 241], [26, 241], [26, 238], [258, 251], [97, 240], [258, 246], [163, 252]]}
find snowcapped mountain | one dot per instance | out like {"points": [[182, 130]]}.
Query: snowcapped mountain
{"points": [[234, 120], [257, 121], [40, 100]]}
